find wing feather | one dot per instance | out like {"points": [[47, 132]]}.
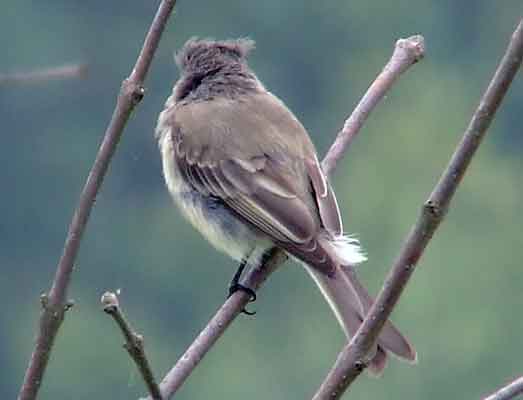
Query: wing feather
{"points": [[255, 196], [215, 186], [325, 198], [265, 171]]}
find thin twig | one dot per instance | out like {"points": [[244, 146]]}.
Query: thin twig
{"points": [[513, 389], [55, 303], [351, 361], [406, 53], [133, 342], [71, 71]]}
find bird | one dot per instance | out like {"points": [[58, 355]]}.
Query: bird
{"points": [[245, 173]]}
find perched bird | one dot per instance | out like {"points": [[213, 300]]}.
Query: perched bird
{"points": [[245, 173]]}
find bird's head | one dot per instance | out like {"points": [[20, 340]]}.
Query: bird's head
{"points": [[211, 68], [205, 56]]}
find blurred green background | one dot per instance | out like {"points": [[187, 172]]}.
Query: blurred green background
{"points": [[462, 309]]}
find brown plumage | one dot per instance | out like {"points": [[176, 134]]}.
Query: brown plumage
{"points": [[245, 172]]}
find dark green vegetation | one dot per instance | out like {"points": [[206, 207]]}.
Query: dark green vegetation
{"points": [[462, 307]]}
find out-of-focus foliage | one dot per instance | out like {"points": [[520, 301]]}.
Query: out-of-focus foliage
{"points": [[463, 307]]}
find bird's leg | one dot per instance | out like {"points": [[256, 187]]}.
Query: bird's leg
{"points": [[235, 285], [267, 254]]}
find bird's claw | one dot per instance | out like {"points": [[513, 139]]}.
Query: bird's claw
{"points": [[238, 286]]}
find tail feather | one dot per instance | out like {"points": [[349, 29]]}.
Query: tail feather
{"points": [[350, 301], [390, 337], [378, 363]]}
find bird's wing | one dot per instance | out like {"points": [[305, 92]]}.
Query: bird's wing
{"points": [[235, 151], [325, 198], [238, 153], [266, 201]]}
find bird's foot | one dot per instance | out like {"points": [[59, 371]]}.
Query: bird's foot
{"points": [[235, 286]]}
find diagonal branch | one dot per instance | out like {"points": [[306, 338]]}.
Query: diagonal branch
{"points": [[72, 71], [215, 328], [513, 389], [133, 342], [351, 361], [54, 303], [406, 53]]}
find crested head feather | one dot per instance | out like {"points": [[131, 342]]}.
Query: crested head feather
{"points": [[211, 68], [201, 54]]}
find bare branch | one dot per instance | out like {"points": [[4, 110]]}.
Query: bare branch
{"points": [[55, 305], [406, 53], [133, 342], [351, 361], [217, 325], [72, 71], [513, 389]]}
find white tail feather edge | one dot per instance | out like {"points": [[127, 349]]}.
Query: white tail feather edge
{"points": [[347, 250]]}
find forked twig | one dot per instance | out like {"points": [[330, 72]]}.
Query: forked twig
{"points": [[406, 53], [55, 302], [351, 361]]}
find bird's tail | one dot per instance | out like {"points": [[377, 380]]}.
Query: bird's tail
{"points": [[350, 301]]}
